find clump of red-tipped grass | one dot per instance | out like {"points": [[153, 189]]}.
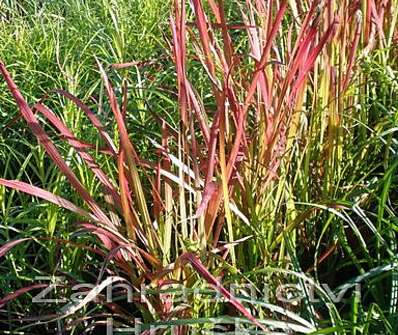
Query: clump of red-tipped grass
{"points": [[257, 93], [216, 174], [133, 230]]}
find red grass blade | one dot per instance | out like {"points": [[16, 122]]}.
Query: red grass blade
{"points": [[199, 267], [265, 54], [310, 60], [48, 196], [92, 117], [113, 237], [178, 32], [131, 158], [132, 221], [201, 23], [199, 113], [50, 148], [81, 150], [8, 246], [17, 293], [228, 47], [352, 52], [208, 192]]}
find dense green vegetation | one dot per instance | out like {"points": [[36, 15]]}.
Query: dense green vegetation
{"points": [[242, 143]]}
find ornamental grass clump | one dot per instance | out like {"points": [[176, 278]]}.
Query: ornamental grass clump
{"points": [[262, 87]]}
